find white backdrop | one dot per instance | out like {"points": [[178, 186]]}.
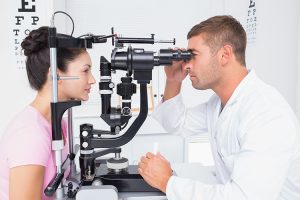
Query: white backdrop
{"points": [[272, 31], [272, 51], [15, 90]]}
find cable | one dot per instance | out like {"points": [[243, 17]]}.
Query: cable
{"points": [[68, 16]]}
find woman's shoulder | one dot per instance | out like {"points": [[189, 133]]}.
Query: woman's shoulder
{"points": [[28, 122], [27, 140]]}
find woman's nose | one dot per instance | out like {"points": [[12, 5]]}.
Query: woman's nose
{"points": [[92, 79]]}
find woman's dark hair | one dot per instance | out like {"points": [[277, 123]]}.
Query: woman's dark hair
{"points": [[36, 48]]}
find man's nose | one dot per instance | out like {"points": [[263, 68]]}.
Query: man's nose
{"points": [[186, 65]]}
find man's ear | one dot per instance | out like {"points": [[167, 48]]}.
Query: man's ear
{"points": [[226, 54]]}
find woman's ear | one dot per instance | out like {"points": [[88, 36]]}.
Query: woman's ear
{"points": [[59, 73]]}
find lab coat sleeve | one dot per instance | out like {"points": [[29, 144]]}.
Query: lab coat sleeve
{"points": [[183, 189], [177, 119], [260, 167]]}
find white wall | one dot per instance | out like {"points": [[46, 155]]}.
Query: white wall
{"points": [[14, 87], [271, 47], [273, 51], [137, 18], [273, 54], [298, 66], [15, 90]]}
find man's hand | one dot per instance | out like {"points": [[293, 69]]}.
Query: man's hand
{"points": [[155, 170], [175, 72]]}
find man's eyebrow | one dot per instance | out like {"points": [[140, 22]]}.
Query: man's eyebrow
{"points": [[193, 50]]}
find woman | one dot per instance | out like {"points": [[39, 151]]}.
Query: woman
{"points": [[26, 161]]}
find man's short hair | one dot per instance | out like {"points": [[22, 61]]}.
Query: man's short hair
{"points": [[221, 30]]}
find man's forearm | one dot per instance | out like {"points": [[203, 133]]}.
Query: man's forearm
{"points": [[171, 90]]}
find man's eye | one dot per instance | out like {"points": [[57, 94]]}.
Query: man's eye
{"points": [[193, 55]]}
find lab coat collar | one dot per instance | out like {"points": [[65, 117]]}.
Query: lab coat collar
{"points": [[246, 82]]}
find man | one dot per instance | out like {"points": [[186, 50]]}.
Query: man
{"points": [[253, 132]]}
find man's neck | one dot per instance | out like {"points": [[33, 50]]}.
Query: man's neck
{"points": [[229, 83]]}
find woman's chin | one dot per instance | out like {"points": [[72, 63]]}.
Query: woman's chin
{"points": [[85, 98]]}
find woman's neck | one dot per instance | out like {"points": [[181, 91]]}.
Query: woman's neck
{"points": [[42, 104]]}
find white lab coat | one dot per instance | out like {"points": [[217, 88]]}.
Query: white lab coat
{"points": [[254, 140]]}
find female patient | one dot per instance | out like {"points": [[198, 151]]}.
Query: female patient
{"points": [[26, 160]]}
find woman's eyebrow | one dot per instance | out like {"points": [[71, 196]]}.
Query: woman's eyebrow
{"points": [[87, 65]]}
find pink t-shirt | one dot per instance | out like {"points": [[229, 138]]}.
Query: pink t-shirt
{"points": [[27, 140]]}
